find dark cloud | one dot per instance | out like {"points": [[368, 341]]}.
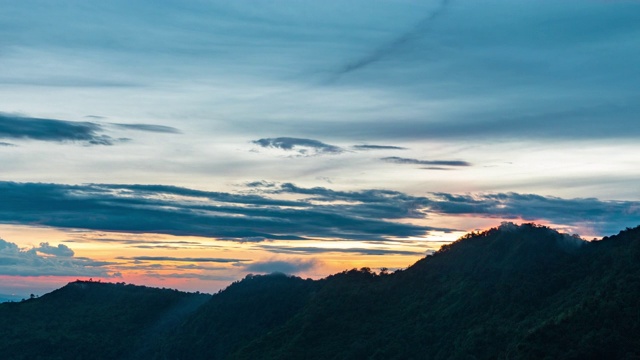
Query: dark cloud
{"points": [[18, 127], [372, 204], [399, 160], [161, 209], [435, 168], [301, 146], [321, 213], [378, 147], [605, 217], [149, 128], [261, 184], [282, 266], [90, 133], [183, 259], [60, 250], [57, 261]]}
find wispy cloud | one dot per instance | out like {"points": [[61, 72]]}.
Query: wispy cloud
{"points": [[183, 259], [324, 250], [399, 160], [149, 128], [304, 147], [378, 147], [282, 266], [395, 44], [143, 242], [190, 275]]}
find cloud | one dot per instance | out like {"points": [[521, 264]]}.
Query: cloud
{"points": [[497, 69], [149, 128], [282, 266], [238, 217], [319, 212], [435, 168], [318, 250], [605, 217], [399, 160], [90, 133], [483, 73], [395, 44], [187, 275], [183, 259], [261, 184], [19, 127], [305, 147], [57, 261], [201, 267], [149, 243], [378, 147], [60, 250]]}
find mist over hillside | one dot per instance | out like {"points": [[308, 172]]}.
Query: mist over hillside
{"points": [[512, 292]]}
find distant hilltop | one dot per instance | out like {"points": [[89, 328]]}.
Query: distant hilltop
{"points": [[10, 297]]}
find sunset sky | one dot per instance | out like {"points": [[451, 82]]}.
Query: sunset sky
{"points": [[185, 144]]}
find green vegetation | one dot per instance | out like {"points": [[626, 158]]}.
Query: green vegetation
{"points": [[514, 292]]}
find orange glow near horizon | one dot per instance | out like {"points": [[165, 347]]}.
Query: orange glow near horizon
{"points": [[204, 264], [207, 265]]}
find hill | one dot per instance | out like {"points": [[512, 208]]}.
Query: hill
{"points": [[8, 297], [513, 292], [92, 320]]}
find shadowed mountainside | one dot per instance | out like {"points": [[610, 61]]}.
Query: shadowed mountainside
{"points": [[513, 292], [92, 320]]}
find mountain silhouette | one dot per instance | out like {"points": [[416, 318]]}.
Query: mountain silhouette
{"points": [[511, 292]]}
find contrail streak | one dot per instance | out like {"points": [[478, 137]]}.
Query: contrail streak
{"points": [[394, 45]]}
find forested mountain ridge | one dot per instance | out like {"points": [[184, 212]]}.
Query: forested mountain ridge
{"points": [[89, 320], [513, 292]]}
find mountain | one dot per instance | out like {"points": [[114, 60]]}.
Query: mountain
{"points": [[512, 292], [92, 320]]}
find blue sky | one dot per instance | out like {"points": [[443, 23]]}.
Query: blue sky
{"points": [[308, 136]]}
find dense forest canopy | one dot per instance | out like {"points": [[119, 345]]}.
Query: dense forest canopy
{"points": [[512, 292]]}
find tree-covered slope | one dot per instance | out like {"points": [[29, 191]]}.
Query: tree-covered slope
{"points": [[245, 310], [91, 320], [513, 292]]}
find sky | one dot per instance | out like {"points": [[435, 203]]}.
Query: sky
{"points": [[186, 144]]}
